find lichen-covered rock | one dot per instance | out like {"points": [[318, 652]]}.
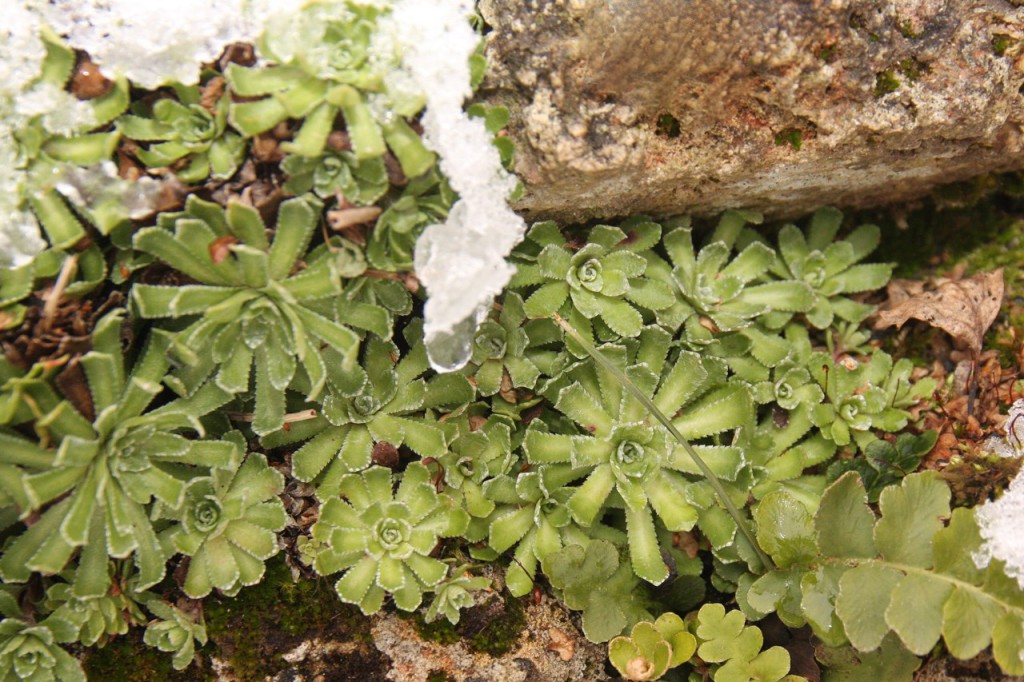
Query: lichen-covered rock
{"points": [[627, 106], [544, 646]]}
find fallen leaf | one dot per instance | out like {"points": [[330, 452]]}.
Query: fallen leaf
{"points": [[211, 94], [220, 248], [686, 542], [561, 644], [384, 454], [964, 308], [506, 391], [87, 82]]}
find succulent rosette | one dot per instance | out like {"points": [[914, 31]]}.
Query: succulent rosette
{"points": [[382, 539]]}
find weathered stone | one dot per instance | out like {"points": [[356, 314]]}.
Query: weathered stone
{"points": [[662, 106], [532, 657]]}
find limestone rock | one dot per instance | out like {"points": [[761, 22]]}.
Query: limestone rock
{"points": [[660, 106]]}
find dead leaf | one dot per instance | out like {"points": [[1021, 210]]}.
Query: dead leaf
{"points": [[964, 308], [384, 454], [220, 248], [686, 542], [87, 82], [211, 94], [561, 644], [506, 391]]}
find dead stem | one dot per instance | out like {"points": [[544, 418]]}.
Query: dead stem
{"points": [[290, 418], [67, 271]]}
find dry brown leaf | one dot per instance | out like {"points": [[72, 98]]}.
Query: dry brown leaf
{"points": [[964, 308], [687, 542], [220, 248], [561, 644]]}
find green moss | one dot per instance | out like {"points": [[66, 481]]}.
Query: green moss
{"points": [[960, 219], [1000, 43], [791, 136], [492, 628], [268, 619], [437, 676], [886, 82], [502, 634], [906, 29], [975, 477], [912, 68], [827, 53], [128, 659], [440, 631], [667, 126]]}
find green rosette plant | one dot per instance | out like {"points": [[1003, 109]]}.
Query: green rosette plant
{"points": [[454, 594], [603, 279], [382, 539], [830, 267], [189, 135], [621, 450], [532, 514], [721, 292], [373, 304], [99, 465], [475, 456], [651, 649], [320, 66], [227, 524], [93, 619], [500, 350], [383, 407], [424, 201], [29, 651], [254, 315], [864, 395], [785, 442], [788, 383], [360, 181], [174, 631]]}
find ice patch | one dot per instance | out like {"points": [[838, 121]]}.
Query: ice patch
{"points": [[155, 42], [90, 186], [1000, 521], [462, 261]]}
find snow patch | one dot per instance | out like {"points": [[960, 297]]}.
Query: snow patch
{"points": [[155, 42], [21, 58], [89, 186], [461, 261], [1000, 521]]}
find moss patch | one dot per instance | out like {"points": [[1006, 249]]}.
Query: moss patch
{"points": [[959, 222], [264, 621], [667, 126], [1000, 43], [493, 627], [886, 82], [128, 659], [913, 68], [791, 136]]}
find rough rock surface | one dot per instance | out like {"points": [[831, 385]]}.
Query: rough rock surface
{"points": [[536, 656], [661, 106], [498, 639]]}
